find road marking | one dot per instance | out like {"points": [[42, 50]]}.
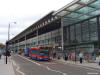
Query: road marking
{"points": [[30, 60], [90, 73], [44, 66], [56, 71], [85, 67], [91, 69], [18, 68]]}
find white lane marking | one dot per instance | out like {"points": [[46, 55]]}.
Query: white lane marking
{"points": [[18, 68], [85, 67], [56, 71], [30, 60], [44, 66], [90, 73]]}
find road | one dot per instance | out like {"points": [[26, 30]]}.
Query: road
{"points": [[25, 66]]}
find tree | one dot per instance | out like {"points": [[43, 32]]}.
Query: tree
{"points": [[2, 46]]}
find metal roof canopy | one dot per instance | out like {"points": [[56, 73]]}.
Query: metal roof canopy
{"points": [[79, 10]]}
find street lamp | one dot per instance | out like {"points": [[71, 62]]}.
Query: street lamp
{"points": [[7, 43], [9, 29]]}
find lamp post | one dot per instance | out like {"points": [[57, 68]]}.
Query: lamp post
{"points": [[9, 29], [7, 43]]}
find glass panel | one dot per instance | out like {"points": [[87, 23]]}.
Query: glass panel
{"points": [[86, 10], [72, 34], [96, 4], [74, 7], [85, 31], [63, 13], [97, 12], [74, 15], [93, 29], [83, 17], [87, 1], [66, 35], [78, 33], [67, 21]]}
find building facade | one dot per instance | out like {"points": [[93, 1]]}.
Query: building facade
{"points": [[45, 32], [80, 22], [72, 29]]}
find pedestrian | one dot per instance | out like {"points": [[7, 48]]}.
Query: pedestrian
{"points": [[0, 55], [66, 57], [69, 56], [8, 55], [81, 57], [54, 55], [99, 59]]}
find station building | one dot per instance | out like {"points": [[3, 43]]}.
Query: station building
{"points": [[74, 28], [45, 32]]}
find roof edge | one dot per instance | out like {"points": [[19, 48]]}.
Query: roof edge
{"points": [[66, 6]]}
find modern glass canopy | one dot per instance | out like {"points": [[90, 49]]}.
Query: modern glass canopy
{"points": [[79, 10]]}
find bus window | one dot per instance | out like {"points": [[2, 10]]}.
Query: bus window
{"points": [[44, 52], [34, 51]]}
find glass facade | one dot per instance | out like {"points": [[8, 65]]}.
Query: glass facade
{"points": [[84, 31], [82, 36], [93, 29], [50, 38], [81, 26]]}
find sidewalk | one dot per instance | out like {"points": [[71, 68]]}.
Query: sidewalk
{"points": [[6, 69], [85, 64]]}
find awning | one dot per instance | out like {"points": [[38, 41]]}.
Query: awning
{"points": [[81, 5], [79, 10]]}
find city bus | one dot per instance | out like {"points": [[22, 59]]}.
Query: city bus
{"points": [[39, 53]]}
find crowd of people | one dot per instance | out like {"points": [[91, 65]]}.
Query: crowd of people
{"points": [[71, 57], [65, 56]]}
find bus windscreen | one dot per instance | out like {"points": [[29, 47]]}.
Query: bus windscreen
{"points": [[44, 52]]}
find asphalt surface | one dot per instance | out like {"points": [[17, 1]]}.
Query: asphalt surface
{"points": [[25, 66]]}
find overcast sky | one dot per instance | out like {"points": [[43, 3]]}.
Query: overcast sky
{"points": [[25, 13]]}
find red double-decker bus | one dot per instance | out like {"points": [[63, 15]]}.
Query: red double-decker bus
{"points": [[39, 53]]}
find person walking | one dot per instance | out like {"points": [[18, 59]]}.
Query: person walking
{"points": [[65, 56], [99, 59], [69, 57], [0, 55], [81, 57], [54, 55]]}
